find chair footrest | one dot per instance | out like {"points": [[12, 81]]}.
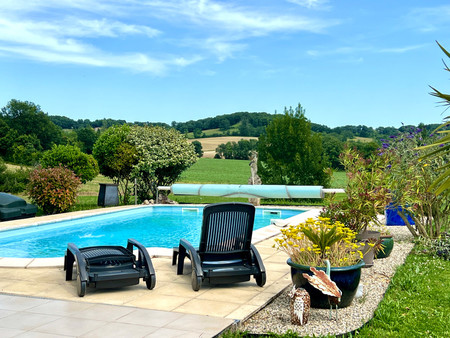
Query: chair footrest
{"points": [[114, 275], [225, 271]]}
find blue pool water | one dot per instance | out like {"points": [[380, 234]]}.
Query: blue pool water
{"points": [[155, 226]]}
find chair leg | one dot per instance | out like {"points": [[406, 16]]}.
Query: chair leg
{"points": [[181, 257], [175, 255], [69, 259]]}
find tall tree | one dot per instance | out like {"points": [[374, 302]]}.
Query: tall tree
{"points": [[27, 118], [290, 153]]}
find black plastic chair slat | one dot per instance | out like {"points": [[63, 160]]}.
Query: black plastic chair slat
{"points": [[104, 252]]}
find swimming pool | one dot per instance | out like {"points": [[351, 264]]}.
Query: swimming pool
{"points": [[153, 226]]}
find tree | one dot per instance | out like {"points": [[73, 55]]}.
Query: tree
{"points": [[333, 147], [87, 137], [163, 154], [83, 165], [26, 149], [27, 118], [198, 148], [116, 157], [289, 153]]}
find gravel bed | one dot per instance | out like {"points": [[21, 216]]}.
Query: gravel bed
{"points": [[275, 317]]}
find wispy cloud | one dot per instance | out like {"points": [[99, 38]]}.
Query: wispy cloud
{"points": [[73, 31], [429, 19], [401, 50], [361, 50], [311, 3]]}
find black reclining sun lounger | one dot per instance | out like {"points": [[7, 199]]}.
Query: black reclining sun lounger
{"points": [[109, 266], [225, 254]]}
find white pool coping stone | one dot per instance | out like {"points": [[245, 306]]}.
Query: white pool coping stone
{"points": [[258, 235]]}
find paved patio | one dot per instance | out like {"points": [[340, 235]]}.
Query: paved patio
{"points": [[171, 309]]}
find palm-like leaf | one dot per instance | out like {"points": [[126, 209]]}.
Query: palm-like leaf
{"points": [[442, 183]]}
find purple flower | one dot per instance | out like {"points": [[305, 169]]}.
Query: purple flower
{"points": [[389, 166], [385, 145], [441, 145], [392, 136]]}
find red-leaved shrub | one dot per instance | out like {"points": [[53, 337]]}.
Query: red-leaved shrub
{"points": [[53, 189]]}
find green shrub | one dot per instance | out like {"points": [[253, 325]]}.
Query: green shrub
{"points": [[83, 165], [13, 181], [53, 189]]}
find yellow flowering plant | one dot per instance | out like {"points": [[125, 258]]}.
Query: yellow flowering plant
{"points": [[312, 242]]}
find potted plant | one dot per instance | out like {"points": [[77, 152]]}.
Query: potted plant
{"points": [[366, 195], [310, 244], [411, 174]]}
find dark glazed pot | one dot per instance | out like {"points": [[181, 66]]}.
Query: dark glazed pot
{"points": [[388, 244], [346, 278]]}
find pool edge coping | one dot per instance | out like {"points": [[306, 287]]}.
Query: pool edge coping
{"points": [[259, 235]]}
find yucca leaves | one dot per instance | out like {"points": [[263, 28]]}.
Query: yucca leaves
{"points": [[442, 184]]}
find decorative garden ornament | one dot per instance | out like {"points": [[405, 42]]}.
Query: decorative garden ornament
{"points": [[299, 305], [322, 281]]}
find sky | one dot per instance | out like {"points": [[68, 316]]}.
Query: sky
{"points": [[347, 62]]}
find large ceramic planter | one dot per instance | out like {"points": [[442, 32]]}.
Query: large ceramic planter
{"points": [[392, 217], [346, 278], [388, 245]]}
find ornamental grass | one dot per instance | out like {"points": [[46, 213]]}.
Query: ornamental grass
{"points": [[316, 240]]}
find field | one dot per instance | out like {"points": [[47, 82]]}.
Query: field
{"points": [[210, 144], [208, 170]]}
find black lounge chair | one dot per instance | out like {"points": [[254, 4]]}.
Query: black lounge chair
{"points": [[225, 254], [109, 266], [14, 207]]}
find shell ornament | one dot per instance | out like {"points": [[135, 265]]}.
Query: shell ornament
{"points": [[299, 305]]}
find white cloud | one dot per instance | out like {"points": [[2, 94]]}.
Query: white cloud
{"points": [[104, 27], [401, 50], [228, 17], [75, 30], [309, 3], [429, 19]]}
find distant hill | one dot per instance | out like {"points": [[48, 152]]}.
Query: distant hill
{"points": [[244, 124]]}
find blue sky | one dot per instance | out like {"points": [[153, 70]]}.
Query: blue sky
{"points": [[347, 62]]}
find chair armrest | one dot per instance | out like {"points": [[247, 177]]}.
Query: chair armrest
{"points": [[257, 258], [144, 258], [193, 255], [81, 261]]}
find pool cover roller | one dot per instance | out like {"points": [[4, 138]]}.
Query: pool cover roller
{"points": [[249, 191]]}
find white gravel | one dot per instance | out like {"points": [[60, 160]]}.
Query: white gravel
{"points": [[275, 317]]}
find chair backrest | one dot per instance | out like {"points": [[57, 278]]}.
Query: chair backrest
{"points": [[226, 231]]}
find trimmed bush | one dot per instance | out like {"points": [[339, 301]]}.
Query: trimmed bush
{"points": [[83, 165], [53, 189]]}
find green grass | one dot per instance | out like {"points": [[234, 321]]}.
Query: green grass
{"points": [[416, 304], [211, 170]]}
